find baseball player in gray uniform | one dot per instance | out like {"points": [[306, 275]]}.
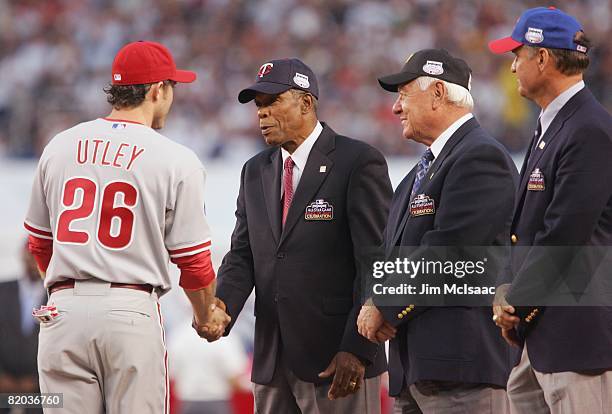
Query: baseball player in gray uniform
{"points": [[113, 202]]}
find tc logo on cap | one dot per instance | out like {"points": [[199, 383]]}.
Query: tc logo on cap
{"points": [[533, 35], [301, 80], [433, 68], [265, 69]]}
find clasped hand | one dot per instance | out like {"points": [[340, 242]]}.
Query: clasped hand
{"points": [[372, 325], [213, 328], [504, 315]]}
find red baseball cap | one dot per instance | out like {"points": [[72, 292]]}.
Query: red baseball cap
{"points": [[144, 62]]}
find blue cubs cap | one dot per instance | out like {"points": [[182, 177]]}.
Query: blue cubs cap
{"points": [[541, 27], [278, 76]]}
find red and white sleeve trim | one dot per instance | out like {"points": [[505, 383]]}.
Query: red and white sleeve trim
{"points": [[190, 250], [37, 231]]}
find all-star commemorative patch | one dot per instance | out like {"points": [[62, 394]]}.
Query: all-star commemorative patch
{"points": [[319, 210], [422, 205], [536, 181]]}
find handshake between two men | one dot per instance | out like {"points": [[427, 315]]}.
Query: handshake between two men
{"points": [[209, 317]]}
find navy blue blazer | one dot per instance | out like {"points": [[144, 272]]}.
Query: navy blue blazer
{"points": [[574, 208], [306, 274], [472, 182]]}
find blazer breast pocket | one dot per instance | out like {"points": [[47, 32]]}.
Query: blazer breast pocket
{"points": [[537, 180], [321, 209], [422, 205], [337, 306]]}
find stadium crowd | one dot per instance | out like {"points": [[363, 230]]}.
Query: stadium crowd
{"points": [[54, 62]]}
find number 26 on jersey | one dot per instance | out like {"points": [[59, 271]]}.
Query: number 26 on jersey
{"points": [[115, 217]]}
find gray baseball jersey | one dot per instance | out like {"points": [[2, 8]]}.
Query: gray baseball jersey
{"points": [[118, 200]]}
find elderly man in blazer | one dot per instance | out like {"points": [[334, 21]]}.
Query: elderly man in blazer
{"points": [[564, 199], [307, 209], [449, 359]]}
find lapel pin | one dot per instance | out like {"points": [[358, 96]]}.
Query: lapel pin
{"points": [[542, 145], [322, 168]]}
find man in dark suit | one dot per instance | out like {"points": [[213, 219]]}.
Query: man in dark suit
{"points": [[307, 209], [450, 359], [564, 203], [19, 330]]}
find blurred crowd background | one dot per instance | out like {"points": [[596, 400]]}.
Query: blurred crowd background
{"points": [[55, 58]]}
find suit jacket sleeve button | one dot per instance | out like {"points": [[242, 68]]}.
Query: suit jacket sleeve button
{"points": [[513, 239]]}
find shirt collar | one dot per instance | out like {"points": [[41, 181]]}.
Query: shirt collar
{"points": [[300, 155], [553, 108], [438, 144]]}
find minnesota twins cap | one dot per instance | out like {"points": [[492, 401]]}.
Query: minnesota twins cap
{"points": [[144, 62], [437, 63], [542, 27], [277, 76]]}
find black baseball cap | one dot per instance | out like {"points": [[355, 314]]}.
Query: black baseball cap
{"points": [[437, 63], [278, 76]]}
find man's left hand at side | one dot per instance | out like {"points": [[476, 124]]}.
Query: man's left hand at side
{"points": [[348, 372]]}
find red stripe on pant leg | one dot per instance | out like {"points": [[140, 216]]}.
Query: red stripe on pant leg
{"points": [[166, 379]]}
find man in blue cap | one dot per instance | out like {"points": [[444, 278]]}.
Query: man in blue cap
{"points": [[307, 209], [564, 199]]}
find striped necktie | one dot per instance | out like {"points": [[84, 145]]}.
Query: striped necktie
{"points": [[287, 187], [422, 168]]}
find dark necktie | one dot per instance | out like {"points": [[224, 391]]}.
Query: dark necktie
{"points": [[534, 140], [421, 171], [287, 187]]}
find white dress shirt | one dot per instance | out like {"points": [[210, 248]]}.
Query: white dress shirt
{"points": [[438, 144], [300, 156], [553, 108]]}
